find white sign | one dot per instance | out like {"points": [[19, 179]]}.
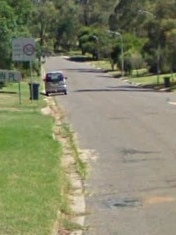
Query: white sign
{"points": [[23, 49], [10, 76]]}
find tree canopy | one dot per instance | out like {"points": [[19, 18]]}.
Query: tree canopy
{"points": [[148, 28]]}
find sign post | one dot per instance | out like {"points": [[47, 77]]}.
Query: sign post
{"points": [[24, 49]]}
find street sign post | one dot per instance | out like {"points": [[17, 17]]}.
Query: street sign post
{"points": [[24, 49]]}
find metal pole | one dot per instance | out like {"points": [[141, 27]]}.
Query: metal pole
{"points": [[31, 81], [19, 91]]}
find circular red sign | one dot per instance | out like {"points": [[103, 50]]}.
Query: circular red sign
{"points": [[29, 49]]}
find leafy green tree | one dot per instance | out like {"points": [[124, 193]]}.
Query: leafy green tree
{"points": [[168, 36], [87, 40], [95, 12], [43, 23], [7, 25], [67, 26], [124, 16], [22, 10], [159, 25], [60, 23], [95, 40], [115, 56], [14, 22]]}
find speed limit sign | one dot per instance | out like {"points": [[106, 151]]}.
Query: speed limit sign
{"points": [[23, 49], [29, 49]]}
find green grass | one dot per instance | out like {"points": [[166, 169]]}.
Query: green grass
{"points": [[29, 172], [153, 79], [103, 64], [138, 76], [146, 79], [33, 186]]}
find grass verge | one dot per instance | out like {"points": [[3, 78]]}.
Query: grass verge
{"points": [[139, 76], [33, 185]]}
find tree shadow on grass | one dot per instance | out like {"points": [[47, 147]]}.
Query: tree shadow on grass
{"points": [[8, 92]]}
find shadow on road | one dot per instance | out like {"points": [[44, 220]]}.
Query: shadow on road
{"points": [[52, 94], [118, 88], [106, 76], [80, 59], [85, 70]]}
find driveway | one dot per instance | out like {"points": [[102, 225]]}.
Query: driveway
{"points": [[130, 134]]}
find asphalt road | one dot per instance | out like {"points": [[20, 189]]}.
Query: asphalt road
{"points": [[131, 133]]}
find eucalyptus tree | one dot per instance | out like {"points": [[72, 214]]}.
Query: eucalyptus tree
{"points": [[14, 19], [43, 20], [165, 13], [126, 13], [154, 23], [95, 11], [22, 10], [67, 25], [7, 25], [158, 21]]}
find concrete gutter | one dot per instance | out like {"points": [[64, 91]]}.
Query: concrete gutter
{"points": [[77, 198]]}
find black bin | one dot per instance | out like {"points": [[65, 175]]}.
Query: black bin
{"points": [[167, 81], [34, 91]]}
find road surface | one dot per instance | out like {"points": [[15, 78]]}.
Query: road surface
{"points": [[131, 134]]}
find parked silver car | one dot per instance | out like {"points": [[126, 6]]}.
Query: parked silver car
{"points": [[55, 82]]}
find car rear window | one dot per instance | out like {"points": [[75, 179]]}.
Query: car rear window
{"points": [[54, 77]]}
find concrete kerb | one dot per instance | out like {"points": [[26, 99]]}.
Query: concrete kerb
{"points": [[77, 198]]}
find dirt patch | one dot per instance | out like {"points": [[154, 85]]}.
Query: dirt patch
{"points": [[46, 111], [159, 199]]}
